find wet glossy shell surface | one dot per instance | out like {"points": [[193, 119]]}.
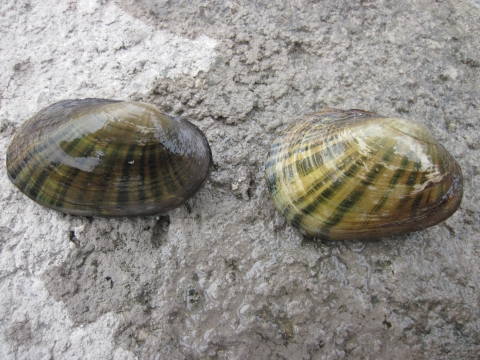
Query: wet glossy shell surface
{"points": [[353, 174], [108, 158]]}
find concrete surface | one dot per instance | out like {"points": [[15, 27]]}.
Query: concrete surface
{"points": [[230, 279]]}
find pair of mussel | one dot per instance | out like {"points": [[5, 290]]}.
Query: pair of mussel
{"points": [[333, 174]]}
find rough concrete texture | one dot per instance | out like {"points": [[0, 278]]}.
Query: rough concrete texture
{"points": [[230, 279]]}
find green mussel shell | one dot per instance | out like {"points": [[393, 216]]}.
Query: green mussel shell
{"points": [[353, 174], [108, 158]]}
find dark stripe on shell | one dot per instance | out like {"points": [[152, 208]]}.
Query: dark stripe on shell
{"points": [[125, 181], [336, 186], [356, 195], [62, 187], [321, 199]]}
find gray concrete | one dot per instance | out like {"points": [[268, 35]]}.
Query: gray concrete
{"points": [[230, 279]]}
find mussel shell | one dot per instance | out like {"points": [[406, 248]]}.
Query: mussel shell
{"points": [[354, 174], [108, 158]]}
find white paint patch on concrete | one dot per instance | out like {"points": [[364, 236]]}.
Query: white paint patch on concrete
{"points": [[74, 50], [45, 329], [475, 3]]}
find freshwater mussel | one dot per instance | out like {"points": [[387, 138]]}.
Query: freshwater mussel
{"points": [[353, 174], [108, 158]]}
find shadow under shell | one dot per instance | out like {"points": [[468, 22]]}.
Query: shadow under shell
{"points": [[108, 158]]}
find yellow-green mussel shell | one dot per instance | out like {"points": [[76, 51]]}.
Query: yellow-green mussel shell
{"points": [[108, 158], [353, 174]]}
